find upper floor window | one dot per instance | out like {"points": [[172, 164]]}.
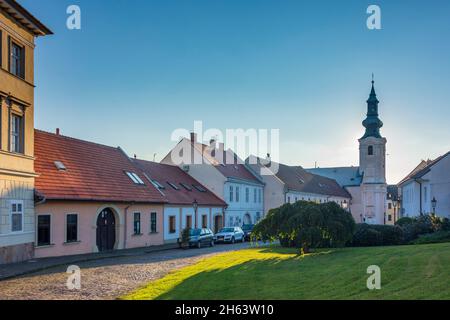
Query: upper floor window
{"points": [[370, 151], [16, 133], [247, 195], [17, 61], [237, 194], [231, 193], [254, 195]]}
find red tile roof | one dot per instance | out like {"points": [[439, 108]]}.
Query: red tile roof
{"points": [[93, 172], [230, 166], [164, 174]]}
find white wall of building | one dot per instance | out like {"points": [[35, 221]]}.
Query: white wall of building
{"points": [[245, 202]]}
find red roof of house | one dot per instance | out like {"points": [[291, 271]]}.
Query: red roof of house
{"points": [[166, 175], [230, 165], [94, 172]]}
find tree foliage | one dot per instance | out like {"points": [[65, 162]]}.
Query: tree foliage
{"points": [[307, 225]]}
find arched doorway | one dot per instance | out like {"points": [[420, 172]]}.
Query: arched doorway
{"points": [[106, 230], [247, 219]]}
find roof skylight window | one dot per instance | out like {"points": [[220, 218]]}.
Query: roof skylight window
{"points": [[60, 166], [199, 188], [188, 188], [157, 184], [173, 185], [134, 177]]}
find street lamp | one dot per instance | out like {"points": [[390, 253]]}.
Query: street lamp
{"points": [[195, 205], [433, 205]]}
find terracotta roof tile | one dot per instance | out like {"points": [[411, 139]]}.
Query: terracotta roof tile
{"points": [[167, 174], [94, 172]]}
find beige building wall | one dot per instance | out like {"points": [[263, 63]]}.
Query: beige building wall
{"points": [[16, 169]]}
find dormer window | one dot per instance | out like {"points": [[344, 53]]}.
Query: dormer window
{"points": [[135, 178], [370, 151]]}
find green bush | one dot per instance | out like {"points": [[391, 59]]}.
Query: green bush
{"points": [[436, 237], [377, 235], [404, 221], [306, 225]]}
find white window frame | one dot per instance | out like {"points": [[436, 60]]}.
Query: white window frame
{"points": [[37, 229], [78, 227], [16, 202], [16, 146]]}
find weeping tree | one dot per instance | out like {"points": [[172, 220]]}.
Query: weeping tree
{"points": [[306, 225]]}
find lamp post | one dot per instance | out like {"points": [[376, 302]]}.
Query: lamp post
{"points": [[394, 204], [195, 205], [433, 205]]}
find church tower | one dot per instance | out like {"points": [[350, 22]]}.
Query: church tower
{"points": [[372, 165]]}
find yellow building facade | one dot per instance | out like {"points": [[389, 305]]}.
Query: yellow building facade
{"points": [[18, 30]]}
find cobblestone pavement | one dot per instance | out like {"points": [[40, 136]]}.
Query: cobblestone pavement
{"points": [[105, 278]]}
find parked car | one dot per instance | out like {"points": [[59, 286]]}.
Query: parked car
{"points": [[199, 237], [247, 228], [230, 234]]}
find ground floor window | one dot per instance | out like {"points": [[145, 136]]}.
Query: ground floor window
{"points": [[43, 230], [153, 222], [172, 228], [137, 223], [72, 228], [390, 217], [189, 222], [204, 221], [17, 216]]}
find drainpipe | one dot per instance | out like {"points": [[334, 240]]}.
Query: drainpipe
{"points": [[125, 211]]}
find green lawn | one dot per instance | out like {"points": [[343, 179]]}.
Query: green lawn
{"points": [[407, 272]]}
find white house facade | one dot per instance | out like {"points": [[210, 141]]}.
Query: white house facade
{"points": [[427, 189], [225, 175]]}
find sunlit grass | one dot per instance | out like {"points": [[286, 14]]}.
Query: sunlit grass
{"points": [[407, 272]]}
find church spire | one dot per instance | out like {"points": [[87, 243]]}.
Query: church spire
{"points": [[372, 123]]}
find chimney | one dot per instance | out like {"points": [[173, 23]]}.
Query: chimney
{"points": [[57, 131], [193, 137]]}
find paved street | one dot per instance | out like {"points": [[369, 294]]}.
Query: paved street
{"points": [[106, 278]]}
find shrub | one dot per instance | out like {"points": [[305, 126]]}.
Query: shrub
{"points": [[306, 225], [437, 237], [404, 221], [377, 235], [366, 236]]}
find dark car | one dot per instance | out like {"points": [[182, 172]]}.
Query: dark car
{"points": [[199, 237], [247, 228]]}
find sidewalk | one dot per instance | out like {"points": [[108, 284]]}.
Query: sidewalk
{"points": [[18, 269]]}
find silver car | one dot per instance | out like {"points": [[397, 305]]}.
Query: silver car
{"points": [[230, 235]]}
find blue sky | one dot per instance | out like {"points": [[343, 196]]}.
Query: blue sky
{"points": [[139, 69]]}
